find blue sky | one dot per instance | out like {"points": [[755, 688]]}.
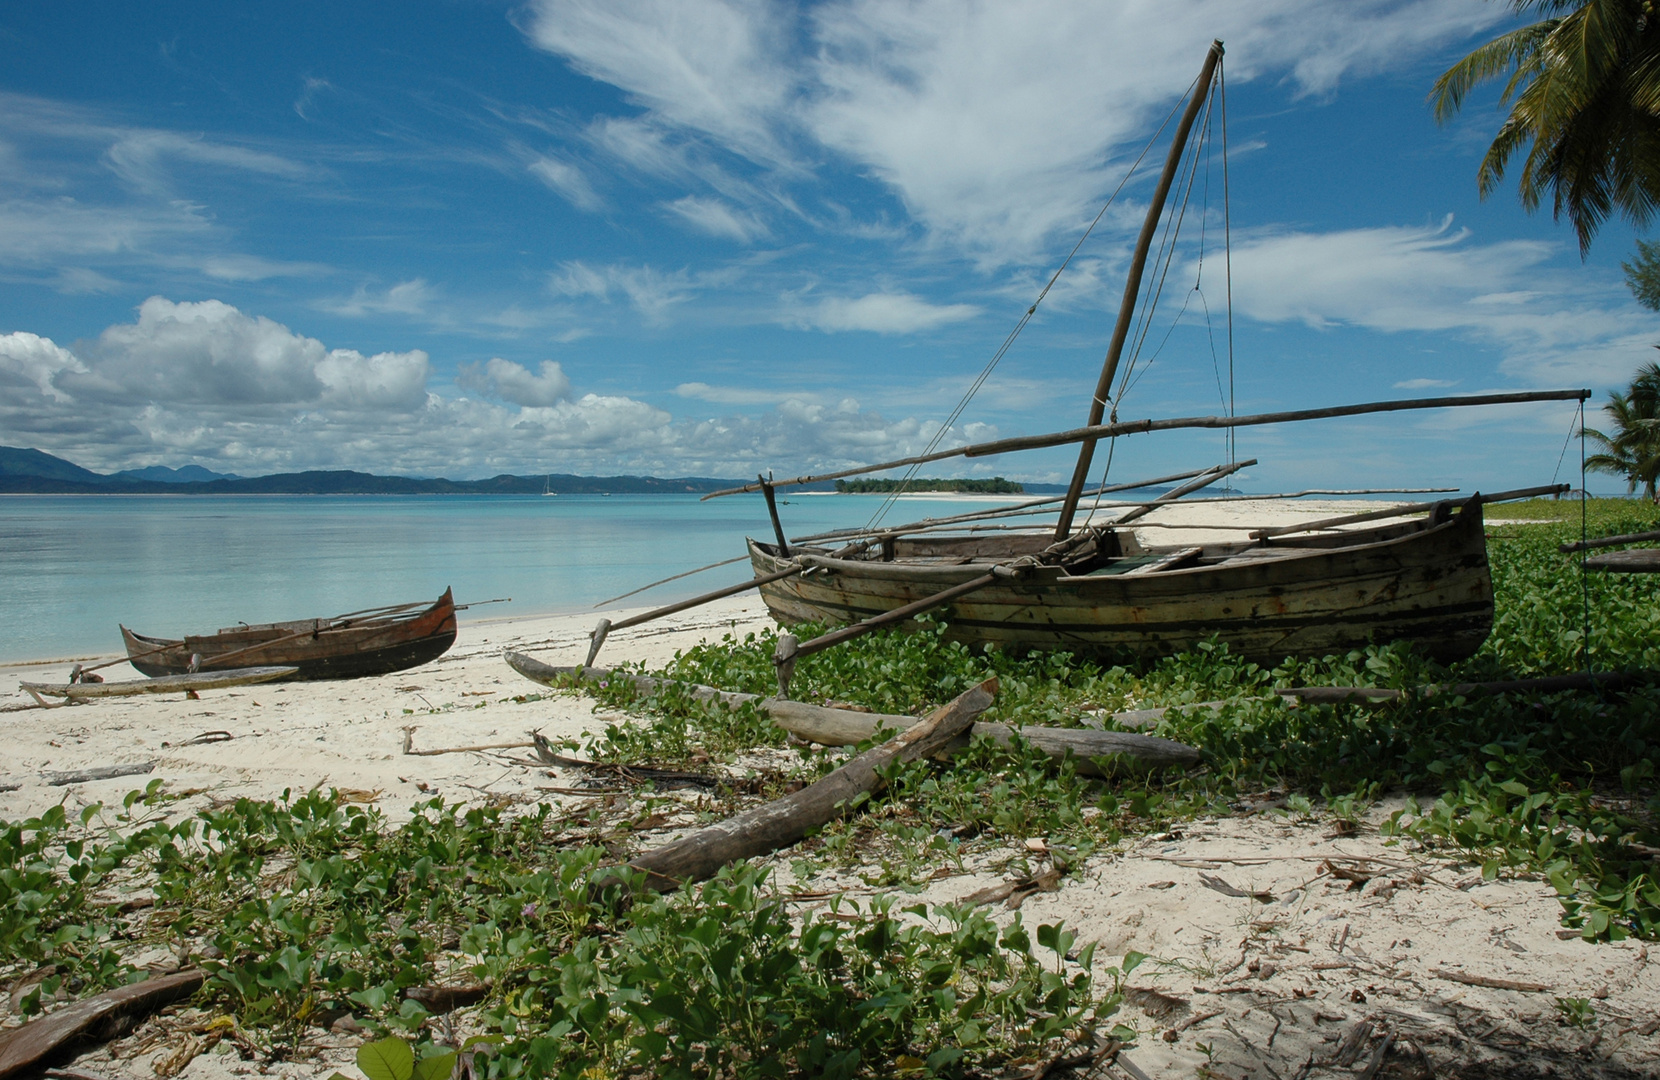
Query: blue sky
{"points": [[704, 237]]}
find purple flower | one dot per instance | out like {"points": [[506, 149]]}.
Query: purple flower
{"points": [[528, 911]]}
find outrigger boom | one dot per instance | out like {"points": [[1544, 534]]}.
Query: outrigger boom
{"points": [[1096, 432]]}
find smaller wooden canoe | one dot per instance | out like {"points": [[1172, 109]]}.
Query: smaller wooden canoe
{"points": [[169, 684], [365, 643]]}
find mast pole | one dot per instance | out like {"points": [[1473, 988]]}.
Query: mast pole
{"points": [[1132, 286]]}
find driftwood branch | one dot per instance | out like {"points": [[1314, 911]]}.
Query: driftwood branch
{"points": [[1609, 541], [167, 684], [27, 1048], [103, 772], [785, 821], [845, 727], [1635, 561]]}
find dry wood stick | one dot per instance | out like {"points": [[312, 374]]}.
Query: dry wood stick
{"points": [[785, 821], [1635, 561], [24, 1049], [1609, 541], [1489, 982], [1133, 427]]}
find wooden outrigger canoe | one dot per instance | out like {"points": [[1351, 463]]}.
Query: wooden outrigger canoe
{"points": [[1425, 581], [370, 643], [170, 684]]}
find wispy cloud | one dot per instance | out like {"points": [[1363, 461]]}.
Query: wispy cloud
{"points": [[712, 217], [996, 126], [1551, 326], [414, 297], [882, 313], [569, 181]]}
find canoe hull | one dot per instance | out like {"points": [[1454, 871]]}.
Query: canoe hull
{"points": [[1425, 582], [372, 647]]}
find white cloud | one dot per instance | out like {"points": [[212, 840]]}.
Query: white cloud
{"points": [[882, 313], [206, 382], [1424, 384], [144, 158], [711, 66], [569, 181], [716, 218], [996, 125], [514, 382], [652, 292], [1551, 326], [414, 297], [27, 358], [740, 395]]}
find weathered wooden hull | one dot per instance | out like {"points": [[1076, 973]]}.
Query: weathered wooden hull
{"points": [[317, 648], [1426, 582]]}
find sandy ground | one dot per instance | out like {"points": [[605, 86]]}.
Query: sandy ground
{"points": [[1267, 983]]}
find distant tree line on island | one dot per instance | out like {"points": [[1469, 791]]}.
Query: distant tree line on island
{"points": [[995, 486]]}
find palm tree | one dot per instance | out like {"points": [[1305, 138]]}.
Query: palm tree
{"points": [[1583, 90], [1633, 451]]}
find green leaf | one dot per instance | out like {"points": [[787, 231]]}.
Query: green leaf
{"points": [[388, 1059], [436, 1067]]}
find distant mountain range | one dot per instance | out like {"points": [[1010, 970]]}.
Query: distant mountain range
{"points": [[33, 472], [25, 471]]}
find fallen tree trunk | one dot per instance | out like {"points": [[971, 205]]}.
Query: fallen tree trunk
{"points": [[845, 727], [30, 1047], [1378, 695], [785, 821]]}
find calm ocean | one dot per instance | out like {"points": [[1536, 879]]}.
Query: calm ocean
{"points": [[73, 567]]}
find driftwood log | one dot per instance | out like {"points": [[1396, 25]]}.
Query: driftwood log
{"points": [[785, 821], [167, 684], [28, 1048], [1635, 561], [846, 727], [1609, 541], [1378, 695]]}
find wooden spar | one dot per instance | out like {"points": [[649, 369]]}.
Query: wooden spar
{"points": [[1609, 541], [1132, 285], [1001, 511], [597, 638], [844, 727], [899, 614], [1188, 488], [166, 684], [772, 512], [698, 601], [672, 577], [1136, 427], [1403, 511], [784, 821], [1635, 561]]}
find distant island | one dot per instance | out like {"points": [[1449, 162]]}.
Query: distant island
{"points": [[32, 472], [995, 486], [25, 471]]}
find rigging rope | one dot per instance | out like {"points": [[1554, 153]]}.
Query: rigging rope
{"points": [[980, 380]]}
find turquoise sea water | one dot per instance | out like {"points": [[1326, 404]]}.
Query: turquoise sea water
{"points": [[73, 567]]}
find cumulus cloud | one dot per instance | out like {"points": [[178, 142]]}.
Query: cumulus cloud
{"points": [[206, 382], [882, 313], [514, 382]]}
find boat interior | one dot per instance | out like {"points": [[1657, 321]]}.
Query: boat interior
{"points": [[1109, 550]]}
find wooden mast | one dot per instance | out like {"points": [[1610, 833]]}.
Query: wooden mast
{"points": [[1132, 287]]}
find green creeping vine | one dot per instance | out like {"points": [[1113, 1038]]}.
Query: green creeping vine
{"points": [[314, 909]]}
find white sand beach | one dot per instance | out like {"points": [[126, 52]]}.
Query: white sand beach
{"points": [[1460, 968]]}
